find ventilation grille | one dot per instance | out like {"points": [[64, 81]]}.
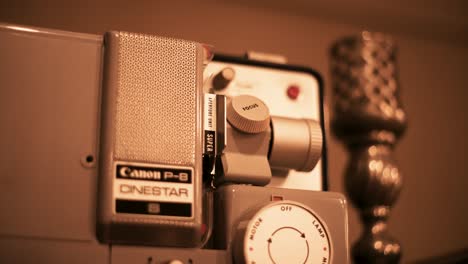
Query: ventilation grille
{"points": [[156, 108]]}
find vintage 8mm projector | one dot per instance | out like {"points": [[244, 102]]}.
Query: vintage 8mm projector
{"points": [[132, 148]]}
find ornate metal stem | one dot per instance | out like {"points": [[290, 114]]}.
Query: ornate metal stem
{"points": [[368, 117]]}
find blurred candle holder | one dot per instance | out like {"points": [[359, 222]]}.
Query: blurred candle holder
{"points": [[369, 119]]}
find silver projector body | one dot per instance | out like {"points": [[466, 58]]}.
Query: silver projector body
{"points": [[129, 148]]}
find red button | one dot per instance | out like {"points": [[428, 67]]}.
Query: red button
{"points": [[293, 92]]}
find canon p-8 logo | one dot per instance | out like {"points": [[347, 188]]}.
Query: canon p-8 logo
{"points": [[127, 172], [153, 174]]}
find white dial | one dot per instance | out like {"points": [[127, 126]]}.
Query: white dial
{"points": [[286, 232]]}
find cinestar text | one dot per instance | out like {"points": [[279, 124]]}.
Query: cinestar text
{"points": [[153, 190]]}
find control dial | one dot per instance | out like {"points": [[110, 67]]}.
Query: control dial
{"points": [[286, 232], [248, 114], [223, 78]]}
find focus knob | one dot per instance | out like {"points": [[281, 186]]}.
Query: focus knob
{"points": [[248, 114]]}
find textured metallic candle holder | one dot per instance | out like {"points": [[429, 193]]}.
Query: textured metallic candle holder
{"points": [[369, 119]]}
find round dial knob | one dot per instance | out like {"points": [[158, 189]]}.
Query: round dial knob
{"points": [[223, 78], [248, 114], [286, 232]]}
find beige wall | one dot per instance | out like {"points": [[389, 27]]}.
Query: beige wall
{"points": [[431, 215]]}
